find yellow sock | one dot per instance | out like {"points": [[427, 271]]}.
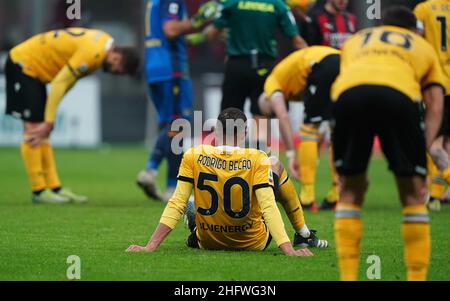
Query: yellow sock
{"points": [[416, 236], [436, 184], [49, 166], [307, 194], [308, 155], [333, 193], [32, 158], [290, 201], [446, 175], [348, 233]]}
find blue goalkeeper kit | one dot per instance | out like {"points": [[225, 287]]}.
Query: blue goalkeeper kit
{"points": [[166, 66], [166, 70]]}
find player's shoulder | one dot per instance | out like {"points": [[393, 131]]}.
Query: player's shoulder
{"points": [[423, 6], [364, 31], [228, 3], [257, 154], [200, 149], [280, 5], [322, 49], [359, 34], [421, 43]]}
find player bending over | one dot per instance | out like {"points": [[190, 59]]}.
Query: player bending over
{"points": [[59, 58], [433, 17], [306, 75], [233, 197], [386, 73]]}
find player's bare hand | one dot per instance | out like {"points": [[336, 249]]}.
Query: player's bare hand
{"points": [[137, 249], [39, 133], [293, 167], [288, 250], [303, 253]]}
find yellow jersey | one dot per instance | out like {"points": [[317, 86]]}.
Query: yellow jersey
{"points": [[225, 180], [434, 16], [290, 76], [44, 55], [304, 5], [388, 56]]}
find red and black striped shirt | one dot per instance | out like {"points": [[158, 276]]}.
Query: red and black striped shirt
{"points": [[330, 30]]}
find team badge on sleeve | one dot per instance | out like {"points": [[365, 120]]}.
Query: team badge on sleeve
{"points": [[270, 177], [173, 8]]}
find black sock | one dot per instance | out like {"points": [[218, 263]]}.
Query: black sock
{"points": [[38, 192]]}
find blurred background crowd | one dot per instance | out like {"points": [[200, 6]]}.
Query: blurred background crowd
{"points": [[122, 98]]}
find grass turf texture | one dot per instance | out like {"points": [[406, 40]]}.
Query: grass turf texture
{"points": [[35, 240]]}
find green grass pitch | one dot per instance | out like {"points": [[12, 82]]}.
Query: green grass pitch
{"points": [[35, 240]]}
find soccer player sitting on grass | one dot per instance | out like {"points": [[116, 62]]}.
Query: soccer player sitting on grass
{"points": [[233, 197], [58, 58], [305, 75], [386, 73]]}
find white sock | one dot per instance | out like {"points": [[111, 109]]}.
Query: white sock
{"points": [[304, 231], [153, 172]]}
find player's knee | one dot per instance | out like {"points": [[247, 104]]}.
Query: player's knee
{"points": [[412, 190], [309, 131], [353, 189], [28, 127], [276, 165]]}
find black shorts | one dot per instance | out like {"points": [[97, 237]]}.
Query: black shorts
{"points": [[25, 96], [316, 97], [445, 128], [363, 112], [244, 79]]}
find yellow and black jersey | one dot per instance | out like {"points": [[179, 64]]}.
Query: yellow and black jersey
{"points": [[434, 17], [225, 180], [290, 76], [44, 55], [388, 56]]}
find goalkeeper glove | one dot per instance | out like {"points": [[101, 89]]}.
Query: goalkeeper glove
{"points": [[195, 39], [205, 13]]}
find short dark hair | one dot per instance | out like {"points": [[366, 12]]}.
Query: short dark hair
{"points": [[399, 15], [233, 115], [131, 59]]}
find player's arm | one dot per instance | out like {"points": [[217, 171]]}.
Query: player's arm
{"points": [[216, 30], [289, 28], [434, 102], [169, 219], [209, 34], [174, 26], [420, 13], [175, 207], [298, 42], [274, 222], [433, 94], [273, 90], [314, 35], [59, 86]]}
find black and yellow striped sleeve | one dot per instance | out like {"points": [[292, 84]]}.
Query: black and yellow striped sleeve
{"points": [[186, 171]]}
